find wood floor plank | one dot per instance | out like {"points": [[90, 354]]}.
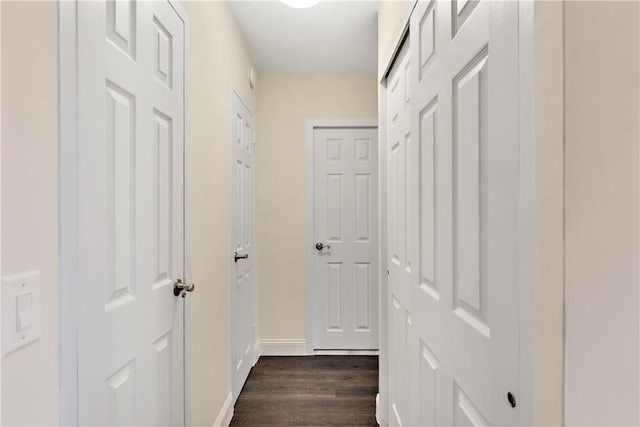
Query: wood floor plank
{"points": [[309, 391]]}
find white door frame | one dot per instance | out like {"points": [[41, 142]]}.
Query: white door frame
{"points": [[311, 125], [68, 301], [525, 211]]}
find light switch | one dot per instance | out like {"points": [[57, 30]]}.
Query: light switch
{"points": [[24, 311], [20, 310]]}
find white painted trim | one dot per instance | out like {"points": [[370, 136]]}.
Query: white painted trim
{"points": [[312, 124], [383, 358], [256, 351], [284, 347], [226, 413], [526, 204], [68, 302], [340, 123], [1, 271], [346, 352]]}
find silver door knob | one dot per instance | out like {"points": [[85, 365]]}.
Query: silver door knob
{"points": [[180, 288], [320, 246]]}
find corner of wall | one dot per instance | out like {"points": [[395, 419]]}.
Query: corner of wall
{"points": [[548, 238]]}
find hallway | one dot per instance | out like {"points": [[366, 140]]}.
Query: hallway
{"points": [[320, 212], [316, 390]]}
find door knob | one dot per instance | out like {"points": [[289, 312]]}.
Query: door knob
{"points": [[320, 246], [180, 288], [236, 257]]}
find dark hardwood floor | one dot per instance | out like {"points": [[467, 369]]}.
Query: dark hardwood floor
{"points": [[309, 390]]}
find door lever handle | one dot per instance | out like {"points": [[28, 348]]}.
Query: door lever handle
{"points": [[236, 257], [180, 288], [320, 246]]}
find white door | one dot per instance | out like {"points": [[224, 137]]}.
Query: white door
{"points": [[130, 217], [242, 251], [345, 213], [401, 272], [453, 159]]}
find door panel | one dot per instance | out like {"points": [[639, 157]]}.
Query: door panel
{"points": [[242, 292], [398, 264], [130, 213], [455, 188], [345, 286]]}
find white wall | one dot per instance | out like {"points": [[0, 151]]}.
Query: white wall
{"points": [[285, 102], [601, 160], [30, 199], [218, 62]]}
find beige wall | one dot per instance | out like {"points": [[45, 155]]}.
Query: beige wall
{"points": [[218, 62], [548, 170], [602, 136], [285, 102], [392, 17], [30, 199]]}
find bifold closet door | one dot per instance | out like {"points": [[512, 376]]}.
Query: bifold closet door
{"points": [[453, 171]]}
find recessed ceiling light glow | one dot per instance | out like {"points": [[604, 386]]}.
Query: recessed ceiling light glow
{"points": [[301, 4]]}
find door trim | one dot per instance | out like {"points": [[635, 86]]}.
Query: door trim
{"points": [[68, 283], [526, 217], [311, 125], [383, 358]]}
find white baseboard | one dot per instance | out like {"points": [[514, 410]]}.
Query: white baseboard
{"points": [[226, 413], [256, 352], [346, 352], [283, 347], [378, 408]]}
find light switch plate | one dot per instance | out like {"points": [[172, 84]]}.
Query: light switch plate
{"points": [[21, 307]]}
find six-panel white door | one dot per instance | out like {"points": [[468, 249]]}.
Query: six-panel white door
{"points": [[130, 217], [345, 279], [242, 250], [452, 163]]}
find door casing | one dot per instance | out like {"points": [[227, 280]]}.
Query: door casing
{"points": [[68, 301], [312, 124]]}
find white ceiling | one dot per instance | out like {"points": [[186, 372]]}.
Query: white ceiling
{"points": [[334, 36]]}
